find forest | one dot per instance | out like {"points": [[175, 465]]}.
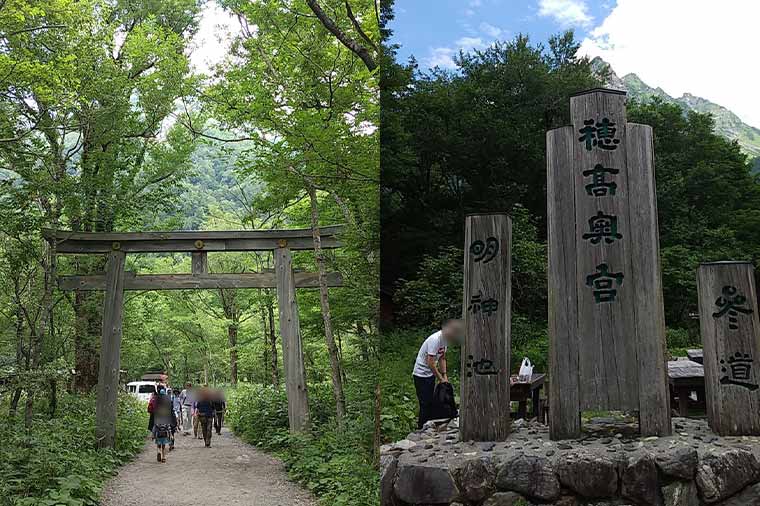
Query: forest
{"points": [[107, 126], [473, 140]]}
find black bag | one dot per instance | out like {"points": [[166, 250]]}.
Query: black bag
{"points": [[162, 431], [443, 402]]}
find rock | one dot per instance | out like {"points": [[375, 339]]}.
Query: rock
{"points": [[530, 475], [750, 496], [640, 481], [388, 466], [476, 479], [566, 500], [679, 462], [404, 444], [506, 499], [589, 475], [723, 474], [419, 483], [681, 493]]}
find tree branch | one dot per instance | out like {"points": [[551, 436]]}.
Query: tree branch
{"points": [[344, 39]]}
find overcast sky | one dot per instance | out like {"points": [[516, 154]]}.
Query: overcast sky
{"points": [[704, 47], [211, 42]]}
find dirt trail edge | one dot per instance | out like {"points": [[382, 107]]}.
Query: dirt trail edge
{"points": [[230, 473]]}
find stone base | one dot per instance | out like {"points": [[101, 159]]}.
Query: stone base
{"points": [[609, 466]]}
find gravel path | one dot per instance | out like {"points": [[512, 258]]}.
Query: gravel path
{"points": [[230, 473]]}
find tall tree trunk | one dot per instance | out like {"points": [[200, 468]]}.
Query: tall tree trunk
{"points": [[265, 333], [19, 355], [332, 349], [232, 332], [378, 422], [53, 399], [363, 344], [86, 337], [273, 343], [232, 313], [14, 402]]}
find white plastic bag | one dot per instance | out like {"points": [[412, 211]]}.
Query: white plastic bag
{"points": [[526, 371]]}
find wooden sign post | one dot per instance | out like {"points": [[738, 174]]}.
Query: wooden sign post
{"points": [[728, 321], [606, 317], [484, 414]]}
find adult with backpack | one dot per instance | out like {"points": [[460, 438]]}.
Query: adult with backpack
{"points": [[431, 365], [164, 423]]}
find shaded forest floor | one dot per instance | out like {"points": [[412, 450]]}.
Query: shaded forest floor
{"points": [[229, 473]]}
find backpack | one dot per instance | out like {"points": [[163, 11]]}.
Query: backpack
{"points": [[444, 405], [162, 431]]}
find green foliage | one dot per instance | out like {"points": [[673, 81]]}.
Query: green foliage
{"points": [[55, 462], [398, 350], [334, 464]]}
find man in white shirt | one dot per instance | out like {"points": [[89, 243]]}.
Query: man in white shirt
{"points": [[431, 364], [187, 398]]}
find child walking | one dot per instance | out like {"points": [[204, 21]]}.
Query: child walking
{"points": [[164, 423]]}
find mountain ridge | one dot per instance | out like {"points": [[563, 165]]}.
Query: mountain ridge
{"points": [[727, 123]]}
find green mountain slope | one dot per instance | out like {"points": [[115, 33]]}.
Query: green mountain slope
{"points": [[727, 123]]}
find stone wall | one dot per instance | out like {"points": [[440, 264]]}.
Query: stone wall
{"points": [[609, 466]]}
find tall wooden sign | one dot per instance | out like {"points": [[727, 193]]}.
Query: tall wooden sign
{"points": [[484, 414], [606, 318], [728, 321]]}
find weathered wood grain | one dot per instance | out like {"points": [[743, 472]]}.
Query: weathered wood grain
{"points": [[199, 263], [188, 235], [292, 351], [484, 414], [608, 365], [133, 281], [110, 348], [646, 278], [76, 246], [564, 345], [607, 350], [732, 409]]}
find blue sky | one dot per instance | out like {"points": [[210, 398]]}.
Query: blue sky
{"points": [[434, 31], [701, 47]]}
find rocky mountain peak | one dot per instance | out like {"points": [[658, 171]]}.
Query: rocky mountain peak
{"points": [[727, 123]]}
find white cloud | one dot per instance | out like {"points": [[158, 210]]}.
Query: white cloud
{"points": [[490, 30], [566, 12], [444, 56], [468, 43], [441, 57], [709, 51]]}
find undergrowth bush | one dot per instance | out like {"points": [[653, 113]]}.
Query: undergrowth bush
{"points": [[336, 465], [56, 462]]}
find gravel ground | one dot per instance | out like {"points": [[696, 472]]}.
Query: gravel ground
{"points": [[230, 473]]}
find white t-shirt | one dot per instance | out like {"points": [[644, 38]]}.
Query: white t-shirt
{"points": [[434, 347]]}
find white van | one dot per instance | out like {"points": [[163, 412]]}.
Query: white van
{"points": [[142, 389]]}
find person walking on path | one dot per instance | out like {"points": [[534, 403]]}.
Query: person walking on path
{"points": [[164, 423], [177, 405], [220, 406], [204, 409], [187, 399], [431, 364], [151, 407]]}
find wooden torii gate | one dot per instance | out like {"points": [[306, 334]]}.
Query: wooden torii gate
{"points": [[115, 280]]}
